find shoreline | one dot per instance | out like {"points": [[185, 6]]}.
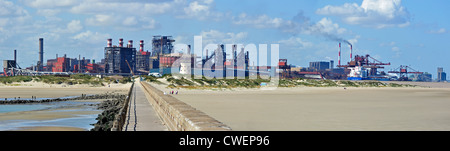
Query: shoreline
{"points": [[59, 117]]}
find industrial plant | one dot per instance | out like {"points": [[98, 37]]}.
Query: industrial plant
{"points": [[126, 60]]}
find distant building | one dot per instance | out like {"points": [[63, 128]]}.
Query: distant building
{"points": [[425, 77], [319, 66], [116, 58], [142, 58], [62, 64], [162, 45], [441, 75]]}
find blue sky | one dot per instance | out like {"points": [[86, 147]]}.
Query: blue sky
{"points": [[412, 32]]}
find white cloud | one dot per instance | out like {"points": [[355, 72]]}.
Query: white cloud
{"points": [[300, 24], [9, 9], [48, 12], [217, 37], [148, 23], [262, 21], [72, 27], [201, 10], [124, 7], [101, 20], [296, 43], [325, 25], [91, 37], [439, 31], [50, 3], [130, 21], [371, 13]]}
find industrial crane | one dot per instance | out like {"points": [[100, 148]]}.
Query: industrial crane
{"points": [[363, 61], [130, 67], [403, 72]]}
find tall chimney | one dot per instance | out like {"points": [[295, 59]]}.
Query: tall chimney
{"points": [[130, 44], [141, 46], [351, 51], [41, 54], [79, 63], [15, 56], [109, 43], [121, 42], [339, 58], [189, 49]]}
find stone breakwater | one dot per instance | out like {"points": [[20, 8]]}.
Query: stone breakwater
{"points": [[114, 111], [111, 109], [82, 97]]}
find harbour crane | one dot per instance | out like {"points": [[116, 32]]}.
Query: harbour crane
{"points": [[403, 72]]}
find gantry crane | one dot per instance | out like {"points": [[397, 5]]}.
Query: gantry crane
{"points": [[403, 72], [366, 63]]}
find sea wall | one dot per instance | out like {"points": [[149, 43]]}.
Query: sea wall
{"points": [[179, 116], [119, 119]]}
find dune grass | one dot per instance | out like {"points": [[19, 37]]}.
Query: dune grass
{"points": [[207, 83]]}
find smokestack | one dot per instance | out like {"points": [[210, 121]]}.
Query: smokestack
{"points": [[351, 51], [109, 43], [121, 42], [79, 63], [189, 49], [41, 54], [339, 59], [141, 46], [130, 44], [15, 56]]}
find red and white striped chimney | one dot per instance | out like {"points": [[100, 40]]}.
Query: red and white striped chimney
{"points": [[141, 46], [109, 43], [130, 43], [339, 59], [121, 42]]}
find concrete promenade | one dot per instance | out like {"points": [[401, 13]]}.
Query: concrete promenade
{"points": [[141, 115]]}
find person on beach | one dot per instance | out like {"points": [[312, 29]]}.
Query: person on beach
{"points": [[176, 92]]}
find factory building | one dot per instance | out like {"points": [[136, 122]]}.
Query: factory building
{"points": [[161, 46], [319, 65], [142, 58], [441, 75], [62, 64], [119, 59], [9, 65]]}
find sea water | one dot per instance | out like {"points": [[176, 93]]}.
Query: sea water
{"points": [[83, 121], [22, 107]]}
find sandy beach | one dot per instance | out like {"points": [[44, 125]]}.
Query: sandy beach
{"points": [[42, 90], [312, 108]]}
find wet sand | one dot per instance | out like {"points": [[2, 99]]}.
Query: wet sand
{"points": [[50, 128], [306, 108], [40, 90]]}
